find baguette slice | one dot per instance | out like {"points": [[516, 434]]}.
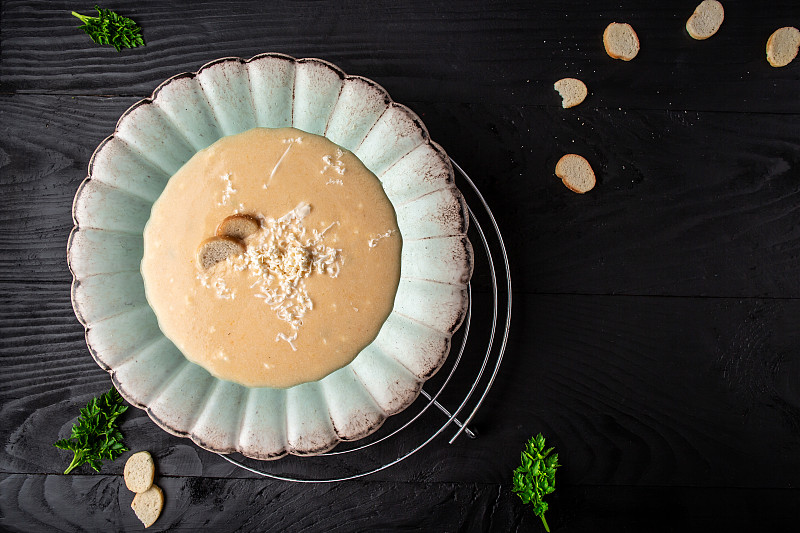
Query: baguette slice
{"points": [[238, 226], [706, 20], [576, 173], [212, 251], [148, 504], [621, 41], [139, 472], [782, 46], [572, 90]]}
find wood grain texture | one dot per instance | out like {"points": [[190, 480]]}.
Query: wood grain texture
{"points": [[102, 503], [605, 377], [440, 51], [80, 503], [43, 345], [45, 147], [679, 194], [686, 203]]}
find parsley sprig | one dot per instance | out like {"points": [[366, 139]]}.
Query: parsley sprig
{"points": [[111, 28], [536, 476], [95, 436]]}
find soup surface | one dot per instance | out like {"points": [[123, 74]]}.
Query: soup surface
{"points": [[313, 284]]}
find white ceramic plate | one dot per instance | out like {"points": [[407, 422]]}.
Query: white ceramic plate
{"points": [[127, 173]]}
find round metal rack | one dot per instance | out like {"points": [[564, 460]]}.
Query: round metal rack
{"points": [[386, 448]]}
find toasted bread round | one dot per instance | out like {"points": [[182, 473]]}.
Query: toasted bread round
{"points": [[238, 226], [706, 20], [572, 90], [576, 173], [782, 46], [212, 251], [139, 472], [620, 41], [148, 504]]}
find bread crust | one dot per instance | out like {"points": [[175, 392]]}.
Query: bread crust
{"points": [[148, 505], [705, 7], [564, 173], [139, 472], [609, 45], [238, 226], [210, 248], [563, 87], [771, 59]]}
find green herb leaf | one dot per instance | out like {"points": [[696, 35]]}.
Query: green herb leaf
{"points": [[536, 476], [112, 29], [95, 435]]}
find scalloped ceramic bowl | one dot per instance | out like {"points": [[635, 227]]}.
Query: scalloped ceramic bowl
{"points": [[127, 173]]}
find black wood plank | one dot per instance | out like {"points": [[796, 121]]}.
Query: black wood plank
{"points": [[631, 390], [686, 203], [659, 509], [45, 147], [432, 51], [101, 503]]}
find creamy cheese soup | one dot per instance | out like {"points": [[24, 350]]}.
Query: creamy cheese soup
{"points": [[303, 294]]}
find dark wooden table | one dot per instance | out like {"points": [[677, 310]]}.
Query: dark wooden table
{"points": [[654, 339]]}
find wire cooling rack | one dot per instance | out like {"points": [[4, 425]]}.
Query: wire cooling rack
{"points": [[464, 380]]}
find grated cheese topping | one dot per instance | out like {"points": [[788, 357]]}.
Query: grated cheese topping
{"points": [[280, 257], [217, 284], [372, 243], [291, 142], [229, 190], [332, 167]]}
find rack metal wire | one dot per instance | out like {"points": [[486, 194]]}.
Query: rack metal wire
{"points": [[358, 460]]}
